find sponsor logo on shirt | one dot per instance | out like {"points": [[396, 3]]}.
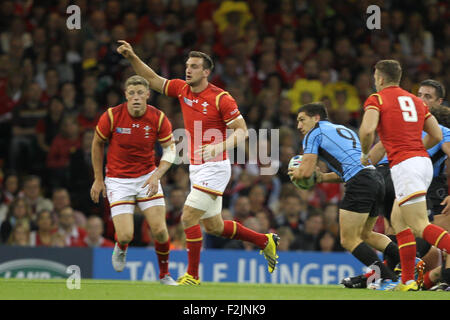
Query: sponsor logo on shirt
{"points": [[189, 102], [123, 130]]}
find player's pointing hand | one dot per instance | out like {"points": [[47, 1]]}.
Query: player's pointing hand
{"points": [[125, 49]]}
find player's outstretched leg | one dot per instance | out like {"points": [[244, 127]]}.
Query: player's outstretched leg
{"points": [[268, 242], [270, 251]]}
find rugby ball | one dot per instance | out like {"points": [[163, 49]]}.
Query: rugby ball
{"points": [[302, 183]]}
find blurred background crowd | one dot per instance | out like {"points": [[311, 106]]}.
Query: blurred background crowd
{"points": [[271, 55]]}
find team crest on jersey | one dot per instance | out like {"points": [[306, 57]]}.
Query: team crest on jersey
{"points": [[123, 130], [205, 104], [147, 133]]}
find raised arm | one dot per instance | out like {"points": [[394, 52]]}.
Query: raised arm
{"points": [[156, 82]]}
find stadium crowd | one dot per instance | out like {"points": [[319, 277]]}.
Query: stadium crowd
{"points": [[272, 56]]}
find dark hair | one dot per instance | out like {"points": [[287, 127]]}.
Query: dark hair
{"points": [[391, 70], [315, 108], [207, 61], [439, 87], [442, 115]]}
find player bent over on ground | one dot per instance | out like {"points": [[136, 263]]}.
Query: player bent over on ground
{"points": [[207, 112], [132, 129], [340, 149]]}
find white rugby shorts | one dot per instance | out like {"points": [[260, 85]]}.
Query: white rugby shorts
{"points": [[411, 178], [211, 178], [124, 193]]}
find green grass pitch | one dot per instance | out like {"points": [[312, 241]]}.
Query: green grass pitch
{"points": [[23, 289]]}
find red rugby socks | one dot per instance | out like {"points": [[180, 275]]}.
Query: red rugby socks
{"points": [[162, 252], [194, 241], [407, 248], [235, 230]]}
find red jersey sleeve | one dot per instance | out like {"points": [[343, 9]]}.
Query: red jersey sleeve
{"points": [[173, 87], [164, 129], [105, 125], [374, 101], [427, 111], [227, 106]]}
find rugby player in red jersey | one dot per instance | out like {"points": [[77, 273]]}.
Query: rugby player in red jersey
{"points": [[132, 129], [399, 118], [207, 111]]}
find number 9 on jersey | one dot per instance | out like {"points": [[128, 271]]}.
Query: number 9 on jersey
{"points": [[301, 183]]}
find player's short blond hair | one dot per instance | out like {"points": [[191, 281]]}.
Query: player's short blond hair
{"points": [[137, 80]]}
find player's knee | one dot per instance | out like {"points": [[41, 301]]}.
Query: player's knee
{"points": [[215, 230], [124, 237], [160, 234]]}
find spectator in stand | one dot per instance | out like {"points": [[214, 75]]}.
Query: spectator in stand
{"points": [[327, 242], [20, 234], [291, 214], [306, 239], [89, 84], [242, 209], [80, 161], [287, 237], [289, 66], [18, 212], [69, 98], [25, 118], [9, 191], [176, 201], [73, 235], [46, 227], [89, 115], [94, 234], [51, 84], [48, 127], [61, 200], [63, 145], [416, 30], [267, 64], [258, 200], [32, 194], [264, 221]]}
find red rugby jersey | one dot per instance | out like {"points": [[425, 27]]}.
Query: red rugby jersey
{"points": [[205, 115], [402, 116], [132, 140]]}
